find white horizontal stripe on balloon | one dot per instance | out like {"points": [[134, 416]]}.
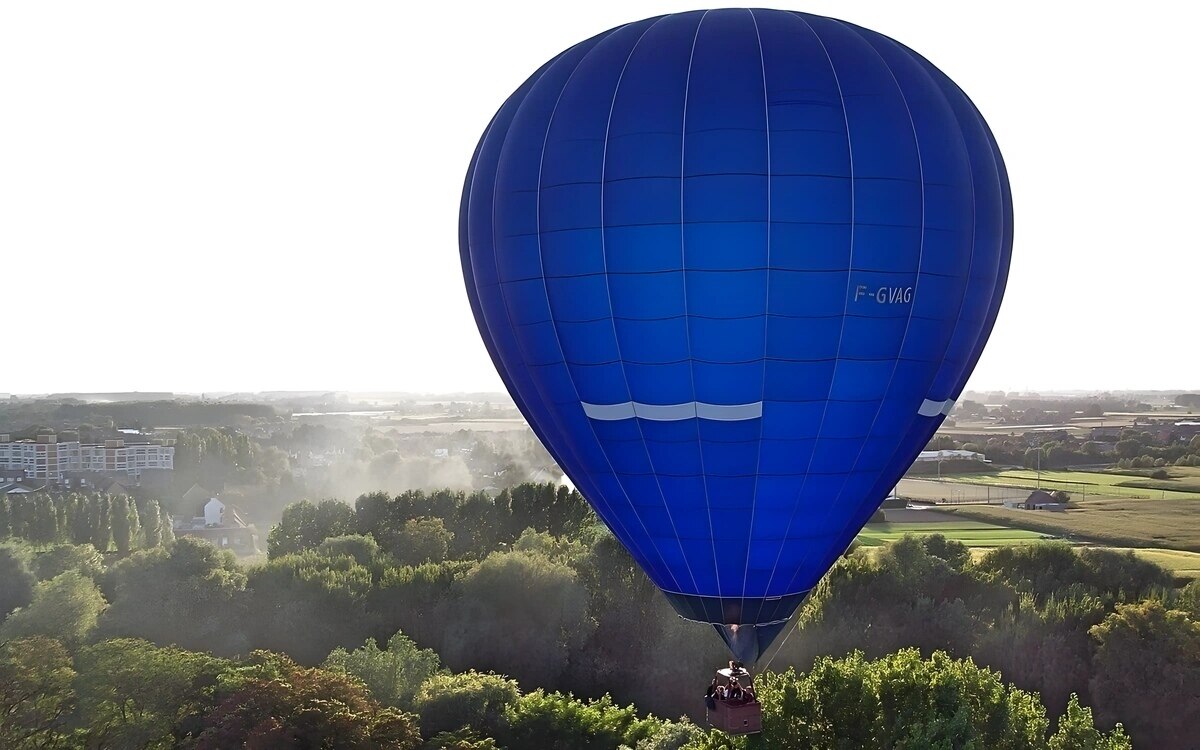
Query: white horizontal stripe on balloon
{"points": [[673, 412], [931, 408]]}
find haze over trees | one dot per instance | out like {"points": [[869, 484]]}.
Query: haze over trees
{"points": [[351, 603]]}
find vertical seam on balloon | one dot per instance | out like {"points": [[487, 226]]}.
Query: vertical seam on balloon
{"points": [[974, 224], [766, 308], [608, 291], [554, 326], [481, 316], [974, 210], [916, 285], [683, 270], [508, 313], [849, 272], [1003, 256]]}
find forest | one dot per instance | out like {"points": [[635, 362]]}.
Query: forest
{"points": [[452, 620]]}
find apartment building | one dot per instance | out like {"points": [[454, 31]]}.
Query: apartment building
{"points": [[46, 458]]}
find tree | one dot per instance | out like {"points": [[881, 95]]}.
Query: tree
{"points": [[559, 722], [125, 524], [1077, 731], [363, 549], [1128, 448], [306, 605], [416, 600], [16, 581], [304, 526], [135, 694], [166, 531], [1146, 672], [462, 739], [394, 674], [671, 735], [65, 607], [531, 640], [151, 521], [101, 523], [36, 698], [310, 708], [44, 528], [421, 540], [898, 701], [81, 558], [449, 702], [189, 595], [5, 516], [1188, 600]]}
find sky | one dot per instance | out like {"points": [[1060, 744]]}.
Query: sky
{"points": [[243, 196]]}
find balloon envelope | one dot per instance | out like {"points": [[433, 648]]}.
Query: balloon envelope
{"points": [[734, 267]]}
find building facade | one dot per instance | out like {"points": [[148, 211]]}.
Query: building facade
{"points": [[46, 458]]}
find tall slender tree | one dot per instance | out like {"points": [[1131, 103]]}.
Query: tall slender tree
{"points": [[102, 523], [124, 523], [44, 528], [151, 525], [166, 531], [5, 526], [81, 519]]}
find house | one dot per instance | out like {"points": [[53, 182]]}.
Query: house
{"points": [[196, 497], [1106, 434], [218, 524], [1042, 500], [23, 486]]}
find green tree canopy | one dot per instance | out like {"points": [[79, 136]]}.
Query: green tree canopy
{"points": [[135, 694], [1146, 673], [66, 607], [421, 540], [902, 701], [308, 708], [394, 674], [81, 558], [36, 697], [16, 580], [448, 702], [305, 525], [555, 721], [518, 613], [188, 595]]}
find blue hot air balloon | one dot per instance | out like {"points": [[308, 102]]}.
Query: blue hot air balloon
{"points": [[735, 267]]}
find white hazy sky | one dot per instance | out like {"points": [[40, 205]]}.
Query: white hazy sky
{"points": [[263, 195]]}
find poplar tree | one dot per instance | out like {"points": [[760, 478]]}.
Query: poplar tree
{"points": [[102, 523]]}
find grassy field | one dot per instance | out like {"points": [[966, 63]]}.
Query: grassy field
{"points": [[970, 533], [1181, 564], [1168, 524], [1002, 527], [1182, 478], [1104, 484]]}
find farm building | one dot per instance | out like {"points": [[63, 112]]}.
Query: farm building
{"points": [[950, 455], [1042, 500]]}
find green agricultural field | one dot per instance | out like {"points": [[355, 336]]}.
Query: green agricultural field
{"points": [[1181, 478], [1181, 564], [1166, 524], [970, 533], [1104, 484]]}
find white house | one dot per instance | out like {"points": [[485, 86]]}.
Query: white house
{"points": [[214, 512]]}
